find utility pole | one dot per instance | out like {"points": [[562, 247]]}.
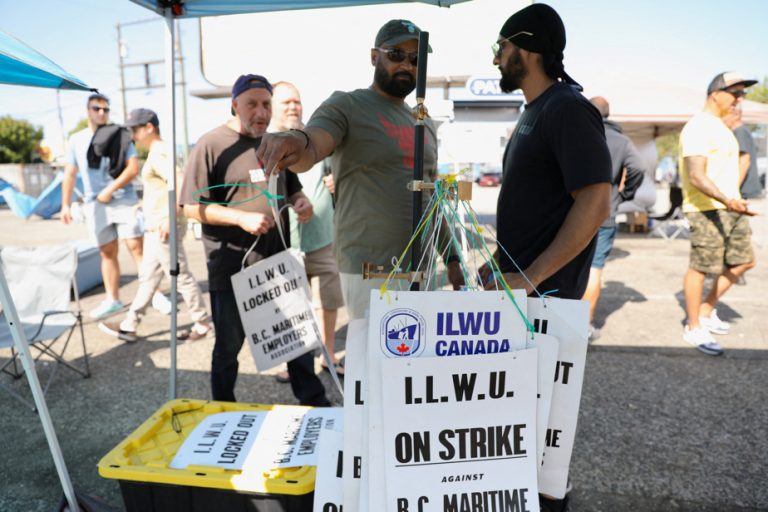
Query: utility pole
{"points": [[145, 64]]}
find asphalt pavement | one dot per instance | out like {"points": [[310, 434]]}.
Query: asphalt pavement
{"points": [[662, 426]]}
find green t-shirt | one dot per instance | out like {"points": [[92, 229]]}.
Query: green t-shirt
{"points": [[318, 232], [372, 165]]}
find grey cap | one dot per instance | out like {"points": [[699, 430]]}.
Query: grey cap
{"points": [[396, 31], [140, 117]]}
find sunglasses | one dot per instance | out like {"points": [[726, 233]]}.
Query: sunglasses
{"points": [[103, 109], [497, 47], [738, 93], [397, 55]]}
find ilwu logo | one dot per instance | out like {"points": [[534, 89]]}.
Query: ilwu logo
{"points": [[402, 332]]}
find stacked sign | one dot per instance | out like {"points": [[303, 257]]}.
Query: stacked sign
{"points": [[451, 404]]}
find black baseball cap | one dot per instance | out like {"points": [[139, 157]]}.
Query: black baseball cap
{"points": [[397, 31], [140, 117], [539, 29], [728, 79]]}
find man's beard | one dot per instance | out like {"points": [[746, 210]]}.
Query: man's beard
{"points": [[514, 73], [399, 85]]}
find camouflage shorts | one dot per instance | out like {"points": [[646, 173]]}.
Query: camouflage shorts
{"points": [[719, 238]]}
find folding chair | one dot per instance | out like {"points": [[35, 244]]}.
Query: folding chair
{"points": [[40, 280], [673, 223]]}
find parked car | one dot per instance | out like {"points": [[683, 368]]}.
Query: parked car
{"points": [[489, 179]]}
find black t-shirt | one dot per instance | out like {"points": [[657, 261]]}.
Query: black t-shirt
{"points": [[223, 156], [558, 146]]}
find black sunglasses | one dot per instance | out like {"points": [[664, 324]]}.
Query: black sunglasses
{"points": [[96, 109], [397, 55], [738, 93]]}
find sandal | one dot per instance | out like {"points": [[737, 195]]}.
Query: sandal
{"points": [[338, 367]]}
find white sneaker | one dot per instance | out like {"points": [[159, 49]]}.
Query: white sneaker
{"points": [[713, 323], [701, 338], [106, 308], [161, 303]]}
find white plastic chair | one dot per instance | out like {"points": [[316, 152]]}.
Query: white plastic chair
{"points": [[40, 280]]}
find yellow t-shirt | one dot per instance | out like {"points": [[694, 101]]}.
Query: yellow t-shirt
{"points": [[706, 135], [154, 176]]}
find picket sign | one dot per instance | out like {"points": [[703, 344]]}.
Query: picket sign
{"points": [[275, 306], [355, 414], [548, 349], [329, 490], [429, 324], [460, 432], [568, 321]]}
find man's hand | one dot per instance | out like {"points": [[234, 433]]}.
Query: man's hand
{"points": [[66, 214], [514, 281], [484, 272], [105, 196], [328, 182], [303, 209], [739, 206], [279, 151], [455, 275], [164, 230], [255, 223]]}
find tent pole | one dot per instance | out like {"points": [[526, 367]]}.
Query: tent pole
{"points": [[170, 92], [418, 147], [22, 346]]}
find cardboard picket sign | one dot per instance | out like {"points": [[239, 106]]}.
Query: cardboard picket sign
{"points": [[460, 432], [430, 324], [275, 307], [329, 489], [568, 321], [355, 414], [548, 348]]}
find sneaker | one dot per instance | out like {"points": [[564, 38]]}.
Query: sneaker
{"points": [[282, 376], [197, 332], [701, 338], [713, 323], [161, 303], [106, 308], [113, 329], [553, 505], [593, 333]]}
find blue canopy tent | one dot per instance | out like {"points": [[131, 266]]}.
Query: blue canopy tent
{"points": [[172, 9], [21, 65]]}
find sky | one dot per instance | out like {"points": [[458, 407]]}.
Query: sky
{"points": [[678, 42]]}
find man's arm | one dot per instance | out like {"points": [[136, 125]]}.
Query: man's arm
{"points": [[218, 215], [744, 161], [296, 149], [129, 173], [67, 186], [591, 206], [634, 172], [697, 175]]}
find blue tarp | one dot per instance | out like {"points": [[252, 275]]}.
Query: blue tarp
{"points": [[46, 205], [21, 65], [200, 8]]}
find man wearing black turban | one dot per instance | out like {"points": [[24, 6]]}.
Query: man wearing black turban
{"points": [[556, 190]]}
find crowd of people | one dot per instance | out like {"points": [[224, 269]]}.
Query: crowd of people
{"points": [[566, 168]]}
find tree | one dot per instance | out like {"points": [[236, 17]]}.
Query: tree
{"points": [[81, 125], [666, 145], [18, 140], [759, 91]]}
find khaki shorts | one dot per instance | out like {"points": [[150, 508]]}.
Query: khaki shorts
{"points": [[324, 279], [719, 239]]}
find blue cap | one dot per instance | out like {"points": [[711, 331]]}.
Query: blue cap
{"points": [[245, 82]]}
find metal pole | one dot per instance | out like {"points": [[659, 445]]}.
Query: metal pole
{"points": [[22, 346], [418, 146], [122, 71], [185, 142], [170, 91]]}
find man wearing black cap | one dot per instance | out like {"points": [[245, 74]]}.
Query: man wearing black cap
{"points": [[156, 263], [371, 134], [556, 189], [233, 217], [721, 241]]}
